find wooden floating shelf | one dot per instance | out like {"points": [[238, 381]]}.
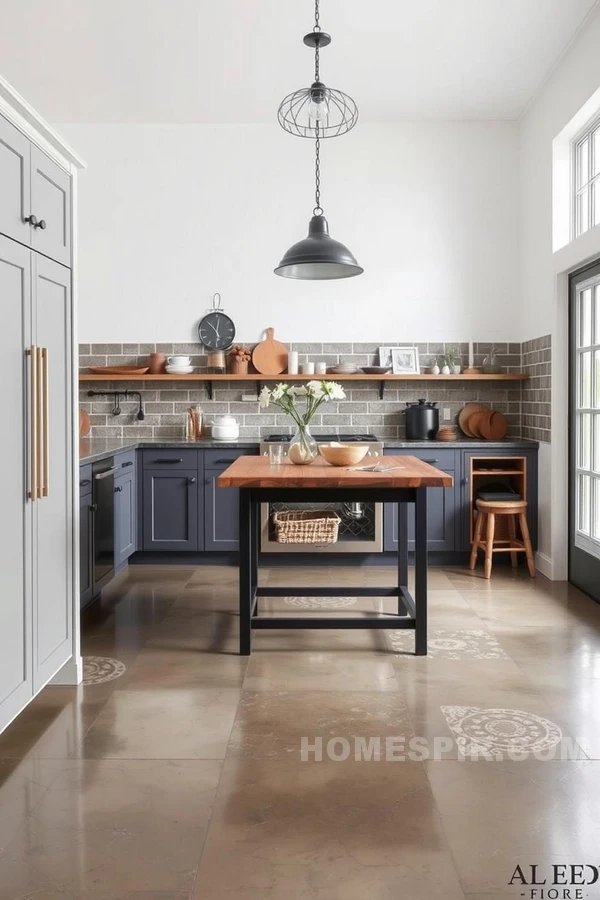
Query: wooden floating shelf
{"points": [[204, 376]]}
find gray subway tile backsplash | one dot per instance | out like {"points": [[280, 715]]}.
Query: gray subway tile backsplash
{"points": [[527, 405]]}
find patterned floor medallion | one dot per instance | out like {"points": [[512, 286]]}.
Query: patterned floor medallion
{"points": [[442, 644], [320, 602], [100, 669], [485, 731]]}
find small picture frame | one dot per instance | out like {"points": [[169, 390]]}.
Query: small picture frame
{"points": [[403, 360]]}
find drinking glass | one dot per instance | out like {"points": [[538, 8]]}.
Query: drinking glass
{"points": [[275, 454]]}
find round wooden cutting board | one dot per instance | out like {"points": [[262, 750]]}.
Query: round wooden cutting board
{"points": [[270, 357], [474, 423], [494, 427], [464, 414]]}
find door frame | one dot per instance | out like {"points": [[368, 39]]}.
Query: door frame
{"points": [[586, 582]]}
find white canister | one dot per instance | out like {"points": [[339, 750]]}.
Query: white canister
{"points": [[308, 368], [225, 428], [321, 368], [293, 362]]}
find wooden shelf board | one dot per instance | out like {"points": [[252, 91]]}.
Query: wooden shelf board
{"points": [[204, 376]]}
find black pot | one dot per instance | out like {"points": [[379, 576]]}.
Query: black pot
{"points": [[422, 421]]}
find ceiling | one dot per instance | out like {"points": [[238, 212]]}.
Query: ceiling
{"points": [[231, 61]]}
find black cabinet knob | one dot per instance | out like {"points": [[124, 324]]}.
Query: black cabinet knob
{"points": [[207, 481], [118, 489], [191, 481], [41, 224], [32, 220]]}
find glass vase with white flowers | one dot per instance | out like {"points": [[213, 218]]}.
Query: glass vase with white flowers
{"points": [[303, 447]]}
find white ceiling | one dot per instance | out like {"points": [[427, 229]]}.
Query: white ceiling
{"points": [[231, 61]]}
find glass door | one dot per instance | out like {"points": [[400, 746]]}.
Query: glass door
{"points": [[584, 423]]}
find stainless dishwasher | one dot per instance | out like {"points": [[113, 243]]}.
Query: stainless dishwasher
{"points": [[103, 521]]}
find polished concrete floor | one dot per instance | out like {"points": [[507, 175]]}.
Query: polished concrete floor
{"points": [[177, 771]]}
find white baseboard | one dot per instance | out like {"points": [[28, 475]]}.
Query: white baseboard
{"points": [[70, 673], [544, 565]]}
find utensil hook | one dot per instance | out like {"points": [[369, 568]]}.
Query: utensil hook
{"points": [[216, 301]]}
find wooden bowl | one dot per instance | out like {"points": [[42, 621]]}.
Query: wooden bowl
{"points": [[343, 454]]}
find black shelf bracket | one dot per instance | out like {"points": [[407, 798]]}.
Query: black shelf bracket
{"points": [[381, 389], [209, 389]]}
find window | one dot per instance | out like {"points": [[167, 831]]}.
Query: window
{"points": [[586, 186], [587, 416]]}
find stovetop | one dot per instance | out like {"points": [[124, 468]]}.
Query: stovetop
{"points": [[342, 438]]}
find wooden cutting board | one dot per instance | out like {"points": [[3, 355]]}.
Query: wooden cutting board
{"points": [[464, 414], [474, 423], [494, 427], [84, 423], [270, 357]]}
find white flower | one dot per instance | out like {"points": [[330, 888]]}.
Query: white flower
{"points": [[315, 389], [298, 391], [279, 390], [264, 398], [333, 390]]}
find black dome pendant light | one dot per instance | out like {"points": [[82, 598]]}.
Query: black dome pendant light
{"points": [[318, 112]]}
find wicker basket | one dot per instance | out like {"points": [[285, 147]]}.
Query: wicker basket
{"points": [[306, 527]]}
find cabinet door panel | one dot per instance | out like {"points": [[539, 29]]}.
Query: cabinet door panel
{"points": [[221, 514], [170, 510], [15, 523], [85, 549], [125, 518], [52, 621], [14, 183], [51, 202]]}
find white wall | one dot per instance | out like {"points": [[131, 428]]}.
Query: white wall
{"points": [[170, 214], [543, 280]]}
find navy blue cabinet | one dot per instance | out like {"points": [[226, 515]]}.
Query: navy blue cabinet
{"points": [[441, 505], [221, 513], [125, 517], [170, 509]]}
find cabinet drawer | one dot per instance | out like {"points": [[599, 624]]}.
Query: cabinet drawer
{"points": [[85, 480], [125, 462], [170, 460], [440, 458], [221, 459]]}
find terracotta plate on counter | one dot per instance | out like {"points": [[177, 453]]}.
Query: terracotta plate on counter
{"points": [[466, 411], [118, 370], [475, 421], [494, 427], [84, 423]]}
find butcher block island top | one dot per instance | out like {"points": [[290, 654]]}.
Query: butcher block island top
{"points": [[397, 472]]}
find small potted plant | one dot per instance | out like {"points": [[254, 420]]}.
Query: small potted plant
{"points": [[452, 360]]}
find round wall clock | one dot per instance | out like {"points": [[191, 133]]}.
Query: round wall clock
{"points": [[216, 330]]}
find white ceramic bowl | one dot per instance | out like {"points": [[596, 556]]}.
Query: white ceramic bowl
{"points": [[225, 428], [179, 370]]}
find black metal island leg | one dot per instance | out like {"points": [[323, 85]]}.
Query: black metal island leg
{"points": [[246, 569], [421, 572]]}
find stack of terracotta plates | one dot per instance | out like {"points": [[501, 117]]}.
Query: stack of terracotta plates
{"points": [[479, 421], [446, 433]]}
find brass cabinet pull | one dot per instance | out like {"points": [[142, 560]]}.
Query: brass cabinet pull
{"points": [[33, 437], [45, 434]]}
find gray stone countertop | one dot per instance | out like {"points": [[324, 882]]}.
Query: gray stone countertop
{"points": [[94, 449]]}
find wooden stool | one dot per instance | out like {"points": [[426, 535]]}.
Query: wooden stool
{"points": [[489, 509]]}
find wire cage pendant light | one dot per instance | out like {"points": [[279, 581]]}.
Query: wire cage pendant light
{"points": [[318, 112]]}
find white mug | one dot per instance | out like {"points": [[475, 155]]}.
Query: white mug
{"points": [[308, 368], [179, 361]]}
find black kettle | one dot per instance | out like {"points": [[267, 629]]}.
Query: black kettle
{"points": [[422, 420]]}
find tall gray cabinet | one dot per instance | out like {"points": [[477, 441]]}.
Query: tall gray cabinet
{"points": [[39, 637]]}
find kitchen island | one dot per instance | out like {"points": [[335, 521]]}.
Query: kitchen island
{"points": [[402, 480]]}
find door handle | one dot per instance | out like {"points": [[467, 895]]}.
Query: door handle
{"points": [[41, 224], [34, 448], [224, 462], [118, 489], [168, 461], [128, 463], [107, 474], [31, 220], [431, 461], [191, 481], [45, 435], [84, 482]]}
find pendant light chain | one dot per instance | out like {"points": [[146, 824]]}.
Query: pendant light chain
{"points": [[318, 210], [317, 28]]}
